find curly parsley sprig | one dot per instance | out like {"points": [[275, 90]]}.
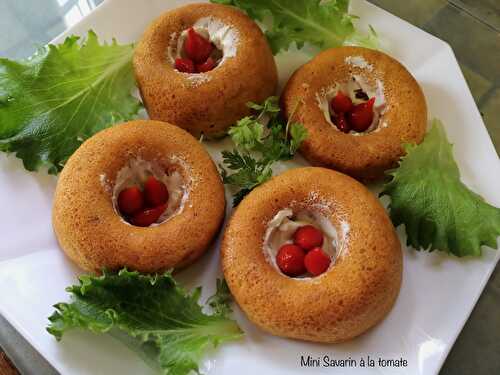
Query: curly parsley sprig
{"points": [[259, 146]]}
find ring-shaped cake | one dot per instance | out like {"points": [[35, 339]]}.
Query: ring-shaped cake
{"points": [[376, 87], [362, 282], [87, 220], [206, 102]]}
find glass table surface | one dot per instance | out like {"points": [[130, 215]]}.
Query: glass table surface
{"points": [[471, 27]]}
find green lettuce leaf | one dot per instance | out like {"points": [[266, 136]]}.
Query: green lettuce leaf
{"points": [[159, 317], [438, 210], [324, 24], [220, 302], [63, 94]]}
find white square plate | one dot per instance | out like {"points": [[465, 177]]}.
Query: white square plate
{"points": [[438, 291]]}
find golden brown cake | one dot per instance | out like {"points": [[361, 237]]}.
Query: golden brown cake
{"points": [[88, 224], [400, 110], [356, 292], [206, 102]]}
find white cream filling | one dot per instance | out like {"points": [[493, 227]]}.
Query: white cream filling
{"points": [[283, 225], [349, 88], [223, 36], [358, 62], [136, 172]]}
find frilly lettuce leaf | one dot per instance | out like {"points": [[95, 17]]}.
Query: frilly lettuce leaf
{"points": [[63, 94], [160, 318], [324, 24], [438, 210]]}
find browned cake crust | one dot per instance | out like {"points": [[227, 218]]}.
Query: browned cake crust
{"points": [[211, 106], [363, 156], [94, 236], [356, 293]]}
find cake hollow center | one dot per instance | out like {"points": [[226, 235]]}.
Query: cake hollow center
{"points": [[364, 104], [147, 194], [283, 230], [203, 47]]}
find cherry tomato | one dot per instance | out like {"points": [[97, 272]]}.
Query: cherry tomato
{"points": [[361, 116], [196, 47], [130, 200], [290, 260], [184, 65], [308, 237], [341, 103], [206, 66], [316, 261], [147, 217], [155, 192]]}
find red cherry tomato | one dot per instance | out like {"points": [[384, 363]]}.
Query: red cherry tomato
{"points": [[341, 103], [308, 237], [206, 66], [147, 217], [196, 47], [155, 192], [130, 200], [316, 261], [290, 260], [361, 116], [341, 123], [184, 65]]}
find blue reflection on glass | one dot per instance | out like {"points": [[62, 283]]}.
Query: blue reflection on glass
{"points": [[24, 24]]}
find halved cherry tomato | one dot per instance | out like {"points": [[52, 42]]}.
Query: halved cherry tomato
{"points": [[308, 237], [341, 123], [206, 66], [341, 103], [290, 260], [196, 47], [361, 116], [184, 65], [317, 261], [147, 217], [155, 192], [130, 200]]}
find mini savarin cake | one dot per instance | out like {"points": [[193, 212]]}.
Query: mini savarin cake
{"points": [[198, 65], [360, 106], [312, 255], [136, 195]]}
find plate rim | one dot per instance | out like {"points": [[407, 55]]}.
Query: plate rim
{"points": [[484, 280]]}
